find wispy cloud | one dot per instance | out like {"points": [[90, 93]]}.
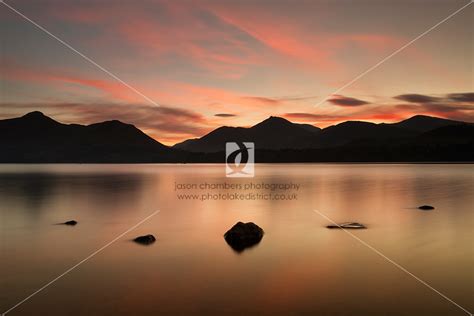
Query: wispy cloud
{"points": [[456, 106], [264, 100], [346, 101], [312, 50], [225, 115], [455, 98], [166, 91], [172, 33], [461, 97], [417, 98], [60, 78]]}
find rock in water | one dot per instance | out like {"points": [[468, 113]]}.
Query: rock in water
{"points": [[72, 223], [348, 225], [145, 240], [426, 207], [243, 235]]}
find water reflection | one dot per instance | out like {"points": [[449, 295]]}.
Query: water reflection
{"points": [[300, 267], [35, 191]]}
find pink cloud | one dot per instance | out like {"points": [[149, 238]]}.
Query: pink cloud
{"points": [[179, 34], [207, 99], [185, 31], [308, 48], [56, 77]]}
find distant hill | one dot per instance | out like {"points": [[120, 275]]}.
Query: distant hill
{"points": [[355, 131], [273, 133], [423, 123], [459, 133], [37, 138], [276, 133]]}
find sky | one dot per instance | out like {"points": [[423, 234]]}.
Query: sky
{"points": [[198, 65]]}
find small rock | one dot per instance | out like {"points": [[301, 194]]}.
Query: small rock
{"points": [[145, 240], [72, 223], [426, 207], [243, 235], [348, 225]]}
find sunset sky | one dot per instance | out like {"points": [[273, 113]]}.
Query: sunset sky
{"points": [[210, 63]]}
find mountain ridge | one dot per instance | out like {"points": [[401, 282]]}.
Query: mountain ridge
{"points": [[288, 135], [35, 137], [273, 132]]}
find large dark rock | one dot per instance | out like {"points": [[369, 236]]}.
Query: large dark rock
{"points": [[426, 207], [243, 235], [71, 223], [145, 240], [348, 225]]}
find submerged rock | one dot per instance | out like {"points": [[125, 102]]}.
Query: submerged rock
{"points": [[71, 223], [426, 207], [145, 240], [243, 235], [348, 225]]}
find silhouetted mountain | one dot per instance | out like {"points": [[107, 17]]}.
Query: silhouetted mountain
{"points": [[423, 123], [276, 133], [310, 128], [454, 143], [356, 131], [35, 137], [459, 133], [272, 133]]}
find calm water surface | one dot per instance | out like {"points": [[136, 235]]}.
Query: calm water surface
{"points": [[299, 268]]}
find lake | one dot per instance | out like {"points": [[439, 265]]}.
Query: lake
{"points": [[299, 268]]}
